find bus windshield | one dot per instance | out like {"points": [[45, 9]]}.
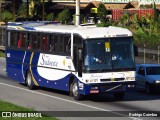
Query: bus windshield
{"points": [[107, 54]]}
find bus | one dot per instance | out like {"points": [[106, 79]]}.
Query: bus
{"points": [[77, 59]]}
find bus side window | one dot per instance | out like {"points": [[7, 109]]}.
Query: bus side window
{"points": [[29, 46], [34, 41], [14, 40], [41, 45], [46, 42], [24, 40], [19, 44], [56, 44], [67, 44], [21, 40], [51, 43]]}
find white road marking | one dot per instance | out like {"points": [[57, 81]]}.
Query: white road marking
{"points": [[70, 101]]}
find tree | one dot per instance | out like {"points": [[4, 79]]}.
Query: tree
{"points": [[50, 17], [102, 13], [155, 13], [22, 11], [64, 16]]}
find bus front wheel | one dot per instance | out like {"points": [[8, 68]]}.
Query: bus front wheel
{"points": [[74, 91], [29, 81]]}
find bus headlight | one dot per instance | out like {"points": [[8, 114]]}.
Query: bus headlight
{"points": [[130, 78]]}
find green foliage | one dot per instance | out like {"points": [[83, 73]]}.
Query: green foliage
{"points": [[6, 16], [102, 13], [145, 29], [105, 24], [50, 17], [125, 19], [64, 16], [22, 11], [155, 13], [2, 54]]}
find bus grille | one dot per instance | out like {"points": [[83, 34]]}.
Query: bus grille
{"points": [[115, 79]]}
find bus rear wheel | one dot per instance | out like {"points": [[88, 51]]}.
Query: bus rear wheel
{"points": [[74, 91], [29, 81]]}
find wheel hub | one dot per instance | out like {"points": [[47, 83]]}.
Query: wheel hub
{"points": [[75, 89]]}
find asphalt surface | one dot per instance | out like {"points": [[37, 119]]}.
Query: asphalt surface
{"points": [[52, 100]]}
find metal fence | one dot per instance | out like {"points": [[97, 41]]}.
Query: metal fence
{"points": [[2, 37], [147, 53]]}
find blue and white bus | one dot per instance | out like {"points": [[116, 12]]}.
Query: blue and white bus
{"points": [[80, 60]]}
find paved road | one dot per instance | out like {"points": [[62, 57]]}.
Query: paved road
{"points": [[52, 100]]}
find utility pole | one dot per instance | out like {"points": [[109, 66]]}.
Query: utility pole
{"points": [[77, 12]]}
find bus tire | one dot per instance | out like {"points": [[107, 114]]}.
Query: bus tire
{"points": [[119, 96], [29, 81], [74, 91]]}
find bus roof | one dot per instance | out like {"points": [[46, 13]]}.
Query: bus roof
{"points": [[84, 31]]}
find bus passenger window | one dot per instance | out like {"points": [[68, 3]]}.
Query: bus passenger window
{"points": [[51, 43], [46, 43], [56, 48], [68, 45], [24, 40], [41, 44], [20, 40], [14, 38], [29, 46], [34, 41]]}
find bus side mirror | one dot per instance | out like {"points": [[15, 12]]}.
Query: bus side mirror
{"points": [[135, 50]]}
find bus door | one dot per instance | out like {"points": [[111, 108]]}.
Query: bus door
{"points": [[77, 53]]}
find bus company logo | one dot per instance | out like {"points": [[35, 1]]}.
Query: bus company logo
{"points": [[46, 61], [96, 76]]}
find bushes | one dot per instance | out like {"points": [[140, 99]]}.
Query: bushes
{"points": [[6, 16], [145, 29], [50, 17], [64, 16]]}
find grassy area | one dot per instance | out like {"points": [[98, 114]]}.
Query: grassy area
{"points": [[5, 106], [2, 54]]}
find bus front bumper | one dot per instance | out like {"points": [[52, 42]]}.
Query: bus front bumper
{"points": [[112, 87]]}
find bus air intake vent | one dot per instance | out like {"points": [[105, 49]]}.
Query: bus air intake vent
{"points": [[115, 79]]}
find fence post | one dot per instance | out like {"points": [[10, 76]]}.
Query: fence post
{"points": [[144, 53], [158, 54]]}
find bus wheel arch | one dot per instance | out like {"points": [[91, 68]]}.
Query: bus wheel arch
{"points": [[73, 89]]}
